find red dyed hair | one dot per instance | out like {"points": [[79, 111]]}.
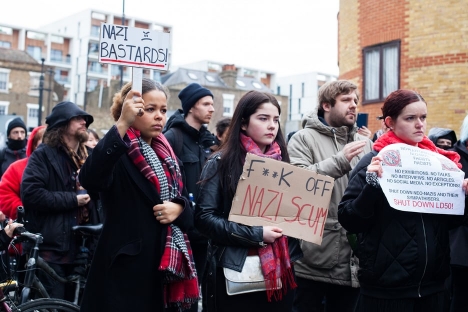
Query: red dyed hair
{"points": [[397, 101]]}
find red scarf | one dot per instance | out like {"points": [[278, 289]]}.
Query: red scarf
{"points": [[274, 258], [180, 277], [390, 138]]}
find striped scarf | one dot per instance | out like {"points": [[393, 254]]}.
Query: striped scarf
{"points": [[158, 164]]}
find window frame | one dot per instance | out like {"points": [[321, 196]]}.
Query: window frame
{"points": [[5, 71], [380, 47], [228, 103]]}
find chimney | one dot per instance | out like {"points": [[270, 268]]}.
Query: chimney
{"points": [[229, 75]]}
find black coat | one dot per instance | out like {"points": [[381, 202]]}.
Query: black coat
{"points": [[195, 150], [459, 235], [124, 275], [229, 241], [48, 193], [401, 254], [9, 156]]}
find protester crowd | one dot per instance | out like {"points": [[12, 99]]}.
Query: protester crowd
{"points": [[164, 187]]}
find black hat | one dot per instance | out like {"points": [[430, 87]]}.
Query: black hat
{"points": [[14, 123], [191, 94], [63, 112]]}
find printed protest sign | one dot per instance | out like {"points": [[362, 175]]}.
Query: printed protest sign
{"points": [[131, 46], [421, 181], [275, 193]]}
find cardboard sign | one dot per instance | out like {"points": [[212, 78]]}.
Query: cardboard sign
{"points": [[419, 180], [272, 192], [131, 46]]}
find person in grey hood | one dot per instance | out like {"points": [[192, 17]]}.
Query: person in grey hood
{"points": [[330, 145], [442, 137]]}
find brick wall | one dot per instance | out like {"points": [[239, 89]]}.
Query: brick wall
{"points": [[434, 51]]}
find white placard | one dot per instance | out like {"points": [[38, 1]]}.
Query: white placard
{"points": [[419, 180], [131, 46]]}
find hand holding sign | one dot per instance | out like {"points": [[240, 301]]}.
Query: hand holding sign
{"points": [[132, 105], [419, 180], [282, 198]]}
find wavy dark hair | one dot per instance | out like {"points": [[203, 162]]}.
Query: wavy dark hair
{"points": [[53, 137], [232, 151]]}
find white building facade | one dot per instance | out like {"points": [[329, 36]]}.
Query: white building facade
{"points": [[302, 91]]}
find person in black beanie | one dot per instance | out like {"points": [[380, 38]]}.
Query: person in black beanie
{"points": [[15, 148], [191, 141]]}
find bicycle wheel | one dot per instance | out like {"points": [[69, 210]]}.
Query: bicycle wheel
{"points": [[47, 305]]}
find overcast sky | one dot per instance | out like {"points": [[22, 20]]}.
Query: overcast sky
{"points": [[283, 36]]}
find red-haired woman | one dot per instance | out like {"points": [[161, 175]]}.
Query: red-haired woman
{"points": [[404, 257]]}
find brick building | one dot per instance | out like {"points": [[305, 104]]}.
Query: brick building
{"points": [[407, 44], [19, 86]]}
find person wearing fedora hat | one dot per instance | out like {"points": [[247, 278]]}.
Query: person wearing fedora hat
{"points": [[51, 194], [188, 135], [15, 148]]}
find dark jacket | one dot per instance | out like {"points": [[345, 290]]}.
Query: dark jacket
{"points": [[195, 150], [8, 156], [48, 193], [459, 235], [124, 275], [230, 241], [401, 254]]}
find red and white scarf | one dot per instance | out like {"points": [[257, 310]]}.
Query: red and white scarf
{"points": [[177, 264]]}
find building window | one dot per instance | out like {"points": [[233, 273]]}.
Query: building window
{"points": [[35, 52], [381, 71], [32, 120], [92, 84], [5, 44], [4, 107], [228, 105], [34, 78], [56, 55], [6, 30], [95, 30], [157, 75], [302, 89], [4, 79], [93, 48]]}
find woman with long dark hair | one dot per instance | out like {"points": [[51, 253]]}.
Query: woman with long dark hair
{"points": [[404, 257], [255, 128]]}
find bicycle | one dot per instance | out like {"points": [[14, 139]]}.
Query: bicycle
{"points": [[32, 288], [9, 304]]}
